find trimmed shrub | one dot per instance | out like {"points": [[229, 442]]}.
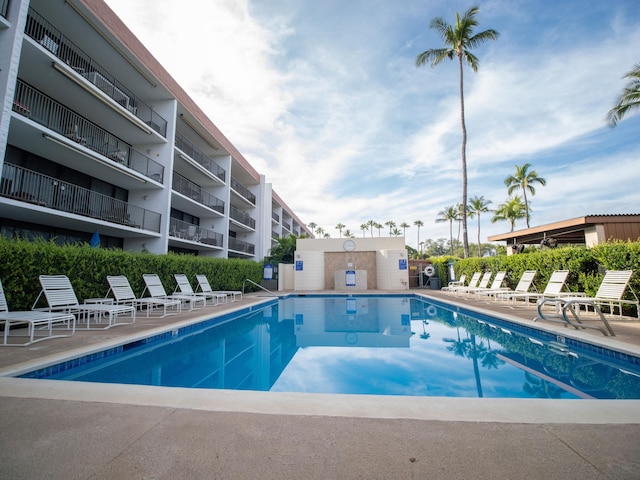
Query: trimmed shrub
{"points": [[87, 268]]}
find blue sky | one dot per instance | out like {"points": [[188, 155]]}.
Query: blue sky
{"points": [[323, 97]]}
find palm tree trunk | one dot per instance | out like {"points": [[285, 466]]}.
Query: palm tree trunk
{"points": [[479, 246], [526, 206], [465, 240]]}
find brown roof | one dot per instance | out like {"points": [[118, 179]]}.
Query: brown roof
{"points": [[566, 231]]}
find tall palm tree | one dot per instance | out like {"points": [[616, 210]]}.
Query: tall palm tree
{"points": [[320, 231], [419, 223], [340, 227], [513, 209], [348, 234], [478, 205], [371, 224], [312, 226], [391, 224], [404, 226], [459, 39], [378, 227], [629, 99], [395, 232], [364, 227], [524, 179], [449, 214]]}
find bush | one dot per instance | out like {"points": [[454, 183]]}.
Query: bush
{"points": [[586, 266], [87, 268]]}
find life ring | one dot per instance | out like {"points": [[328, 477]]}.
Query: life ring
{"points": [[429, 271], [431, 311]]}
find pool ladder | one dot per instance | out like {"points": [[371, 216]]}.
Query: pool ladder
{"points": [[257, 285]]}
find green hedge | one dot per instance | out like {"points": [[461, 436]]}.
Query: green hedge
{"points": [[87, 268], [586, 266]]}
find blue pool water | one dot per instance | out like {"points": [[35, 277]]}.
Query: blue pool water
{"points": [[386, 345]]}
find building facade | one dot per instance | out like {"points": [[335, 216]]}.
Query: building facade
{"points": [[96, 136]]}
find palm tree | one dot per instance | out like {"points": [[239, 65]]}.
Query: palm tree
{"points": [[513, 209], [459, 39], [524, 179], [404, 226], [395, 232], [449, 214], [629, 99], [478, 205], [419, 223], [364, 227], [391, 224], [378, 227], [340, 227], [371, 224], [348, 234], [312, 226], [320, 231]]}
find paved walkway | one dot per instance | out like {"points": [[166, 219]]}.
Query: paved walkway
{"points": [[72, 430]]}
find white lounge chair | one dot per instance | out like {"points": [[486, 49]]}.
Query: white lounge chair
{"points": [[524, 284], [553, 289], [185, 287], [473, 283], [610, 293], [457, 283], [156, 290], [495, 286], [36, 322], [204, 286], [60, 297], [123, 293]]}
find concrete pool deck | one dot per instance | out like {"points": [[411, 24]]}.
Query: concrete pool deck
{"points": [[80, 430]]}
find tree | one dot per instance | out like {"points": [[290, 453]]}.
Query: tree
{"points": [[629, 99], [478, 205], [395, 232], [285, 250], [449, 214], [459, 39], [364, 227], [378, 227], [524, 179], [391, 224], [419, 223], [404, 226], [371, 224], [312, 226], [513, 209], [340, 227], [348, 234], [320, 231]]}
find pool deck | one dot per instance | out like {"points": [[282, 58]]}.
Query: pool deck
{"points": [[81, 430]]}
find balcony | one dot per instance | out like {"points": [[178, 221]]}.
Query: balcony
{"points": [[240, 246], [195, 192], [243, 191], [242, 217], [36, 106], [28, 186], [4, 8], [53, 40], [194, 233], [275, 216], [196, 154]]}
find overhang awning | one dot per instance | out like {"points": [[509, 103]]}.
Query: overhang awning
{"points": [[565, 232]]}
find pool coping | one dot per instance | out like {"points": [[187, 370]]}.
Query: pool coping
{"points": [[500, 410]]}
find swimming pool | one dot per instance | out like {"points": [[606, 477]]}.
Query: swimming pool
{"points": [[363, 344]]}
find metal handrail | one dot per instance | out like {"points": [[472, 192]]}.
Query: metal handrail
{"points": [[257, 285]]}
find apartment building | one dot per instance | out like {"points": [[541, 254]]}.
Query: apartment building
{"points": [[96, 136]]}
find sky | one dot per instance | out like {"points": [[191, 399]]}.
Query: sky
{"points": [[324, 99]]}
